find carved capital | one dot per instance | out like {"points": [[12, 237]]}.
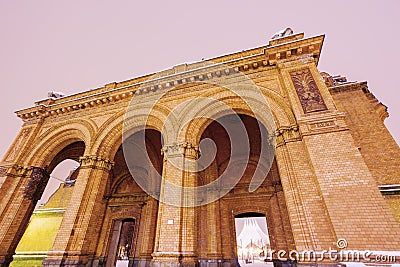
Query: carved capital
{"points": [[95, 162], [16, 170], [185, 149], [287, 134]]}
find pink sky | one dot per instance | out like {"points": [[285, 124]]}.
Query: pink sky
{"points": [[73, 46]]}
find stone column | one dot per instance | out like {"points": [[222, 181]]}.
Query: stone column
{"points": [[76, 240], [22, 188], [176, 237]]}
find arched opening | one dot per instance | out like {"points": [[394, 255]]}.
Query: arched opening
{"points": [[261, 209], [52, 199], [130, 219], [63, 175]]}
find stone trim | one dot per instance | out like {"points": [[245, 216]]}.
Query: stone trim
{"points": [[95, 162], [391, 189], [354, 86], [185, 148]]}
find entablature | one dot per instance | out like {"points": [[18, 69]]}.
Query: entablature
{"points": [[241, 62]]}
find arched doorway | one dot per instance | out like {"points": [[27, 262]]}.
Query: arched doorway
{"points": [[129, 226]]}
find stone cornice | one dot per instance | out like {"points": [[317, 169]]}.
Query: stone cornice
{"points": [[392, 189], [243, 62], [287, 51], [352, 86]]}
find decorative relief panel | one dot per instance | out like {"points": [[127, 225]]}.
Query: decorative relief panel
{"points": [[307, 91]]}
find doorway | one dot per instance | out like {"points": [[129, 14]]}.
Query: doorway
{"points": [[252, 238], [121, 248]]}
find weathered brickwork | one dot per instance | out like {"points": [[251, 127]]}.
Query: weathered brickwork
{"points": [[334, 172]]}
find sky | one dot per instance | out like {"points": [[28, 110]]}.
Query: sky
{"points": [[73, 46]]}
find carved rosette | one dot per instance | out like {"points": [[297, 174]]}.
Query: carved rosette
{"points": [[36, 184], [95, 162], [186, 149], [307, 90]]}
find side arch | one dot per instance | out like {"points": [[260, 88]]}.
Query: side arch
{"points": [[50, 143]]}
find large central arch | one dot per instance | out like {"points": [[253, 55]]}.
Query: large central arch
{"points": [[218, 229]]}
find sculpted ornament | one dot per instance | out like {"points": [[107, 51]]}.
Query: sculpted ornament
{"points": [[307, 91]]}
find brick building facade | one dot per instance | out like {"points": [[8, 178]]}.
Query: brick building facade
{"points": [[334, 174]]}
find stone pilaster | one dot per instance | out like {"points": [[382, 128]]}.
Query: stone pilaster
{"points": [[75, 243], [176, 238]]}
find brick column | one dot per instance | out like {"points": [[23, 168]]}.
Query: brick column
{"points": [[214, 246], [303, 199], [20, 192], [176, 237], [76, 240], [147, 228], [335, 189]]}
